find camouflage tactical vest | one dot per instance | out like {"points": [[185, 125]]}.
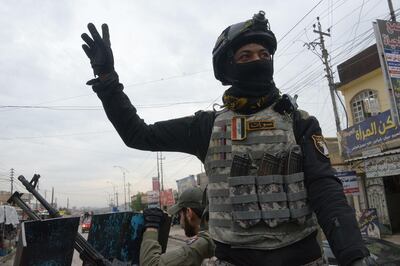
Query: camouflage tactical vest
{"points": [[256, 192]]}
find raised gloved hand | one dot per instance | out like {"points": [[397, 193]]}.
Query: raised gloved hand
{"points": [[153, 217], [99, 50]]}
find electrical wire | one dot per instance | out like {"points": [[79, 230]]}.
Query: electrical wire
{"points": [[286, 34]]}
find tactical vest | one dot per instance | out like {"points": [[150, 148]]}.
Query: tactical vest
{"points": [[257, 198]]}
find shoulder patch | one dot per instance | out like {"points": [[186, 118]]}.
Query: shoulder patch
{"points": [[320, 145]]}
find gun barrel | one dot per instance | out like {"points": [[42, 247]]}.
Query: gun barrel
{"points": [[52, 212]]}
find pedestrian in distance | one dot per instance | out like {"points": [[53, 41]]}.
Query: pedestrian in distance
{"points": [[270, 178]]}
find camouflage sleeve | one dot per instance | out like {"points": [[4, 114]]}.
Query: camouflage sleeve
{"points": [[191, 254], [150, 249]]}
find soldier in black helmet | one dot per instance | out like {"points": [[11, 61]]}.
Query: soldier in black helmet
{"points": [[270, 177]]}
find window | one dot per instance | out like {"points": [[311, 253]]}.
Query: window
{"points": [[365, 104]]}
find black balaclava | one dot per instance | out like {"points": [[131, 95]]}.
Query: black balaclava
{"points": [[252, 79], [253, 88]]}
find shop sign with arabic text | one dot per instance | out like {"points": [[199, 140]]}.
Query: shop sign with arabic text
{"points": [[389, 32], [382, 166], [374, 130]]}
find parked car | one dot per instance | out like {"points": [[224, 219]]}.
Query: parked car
{"points": [[383, 252], [86, 222]]}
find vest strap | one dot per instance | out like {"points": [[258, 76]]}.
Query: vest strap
{"points": [[246, 215], [272, 197], [292, 178], [238, 199], [269, 179], [220, 207], [263, 139], [296, 213], [223, 192], [255, 155], [220, 222], [218, 178], [220, 163], [220, 149], [276, 214], [222, 122], [220, 135], [241, 180], [297, 195]]}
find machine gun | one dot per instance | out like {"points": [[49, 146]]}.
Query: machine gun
{"points": [[89, 255]]}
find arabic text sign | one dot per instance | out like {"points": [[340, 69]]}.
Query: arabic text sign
{"points": [[374, 130], [349, 181], [390, 37], [382, 166]]}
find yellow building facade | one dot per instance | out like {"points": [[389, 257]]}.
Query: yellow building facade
{"points": [[370, 145]]}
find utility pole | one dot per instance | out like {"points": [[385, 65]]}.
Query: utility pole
{"points": [[329, 75], [67, 203], [12, 180], [52, 196], [392, 14], [129, 195], [123, 170], [158, 178], [162, 174], [160, 158]]}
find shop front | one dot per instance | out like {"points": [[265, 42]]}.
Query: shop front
{"points": [[382, 183]]}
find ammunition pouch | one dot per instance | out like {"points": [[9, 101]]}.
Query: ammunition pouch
{"points": [[276, 195], [242, 192]]}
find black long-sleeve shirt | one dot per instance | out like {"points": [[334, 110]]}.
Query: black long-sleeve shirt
{"points": [[192, 135]]}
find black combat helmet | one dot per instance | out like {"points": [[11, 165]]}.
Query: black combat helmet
{"points": [[256, 30]]}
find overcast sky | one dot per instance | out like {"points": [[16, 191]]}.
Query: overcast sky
{"points": [[53, 124]]}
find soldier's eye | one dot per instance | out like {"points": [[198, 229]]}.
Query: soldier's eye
{"points": [[264, 55]]}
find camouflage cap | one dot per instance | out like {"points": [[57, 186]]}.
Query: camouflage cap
{"points": [[190, 198]]}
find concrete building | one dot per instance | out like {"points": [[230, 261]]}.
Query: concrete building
{"points": [[370, 145]]}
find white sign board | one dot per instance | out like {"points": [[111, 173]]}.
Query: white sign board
{"points": [[153, 197], [349, 181], [382, 166]]}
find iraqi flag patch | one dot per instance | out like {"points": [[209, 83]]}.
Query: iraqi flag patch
{"points": [[238, 128], [320, 145]]}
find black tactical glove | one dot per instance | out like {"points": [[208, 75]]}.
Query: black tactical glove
{"points": [[99, 50], [153, 217]]}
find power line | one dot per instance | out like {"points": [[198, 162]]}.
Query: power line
{"points": [[97, 108], [300, 21]]}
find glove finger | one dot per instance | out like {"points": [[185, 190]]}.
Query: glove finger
{"points": [[87, 40], [87, 50], [95, 34], [106, 34]]}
